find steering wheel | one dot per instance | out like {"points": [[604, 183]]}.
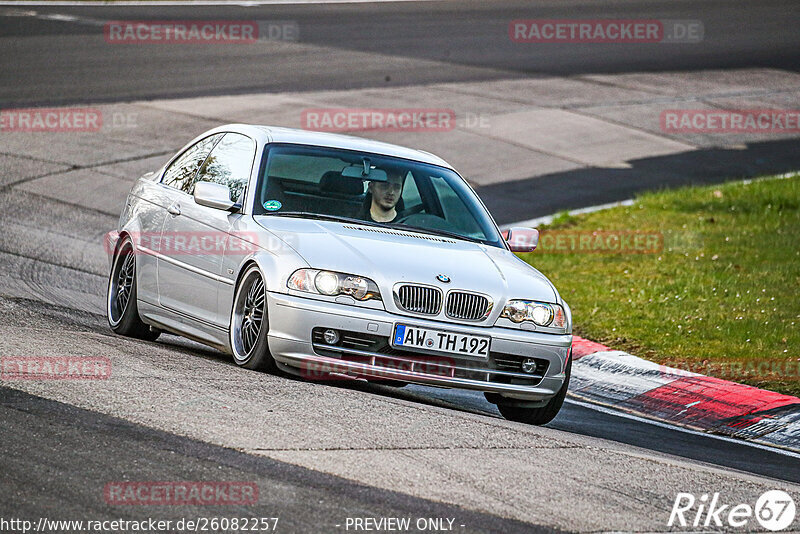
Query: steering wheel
{"points": [[425, 220], [406, 214]]}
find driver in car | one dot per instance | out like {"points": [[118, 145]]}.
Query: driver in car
{"points": [[381, 202]]}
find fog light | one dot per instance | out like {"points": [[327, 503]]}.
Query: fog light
{"points": [[331, 337], [529, 365]]}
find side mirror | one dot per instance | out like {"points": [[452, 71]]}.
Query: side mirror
{"points": [[521, 239], [213, 195]]}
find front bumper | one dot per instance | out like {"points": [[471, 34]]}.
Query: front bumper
{"points": [[292, 319]]}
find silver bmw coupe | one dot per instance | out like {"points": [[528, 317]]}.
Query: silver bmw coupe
{"points": [[329, 256]]}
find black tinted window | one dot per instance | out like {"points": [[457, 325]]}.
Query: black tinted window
{"points": [[229, 164], [180, 174]]}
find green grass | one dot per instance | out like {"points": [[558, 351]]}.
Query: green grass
{"points": [[721, 298]]}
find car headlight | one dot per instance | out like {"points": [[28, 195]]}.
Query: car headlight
{"points": [[539, 313], [332, 284]]}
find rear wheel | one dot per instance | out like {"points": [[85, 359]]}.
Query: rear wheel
{"points": [[121, 308], [543, 414], [250, 324]]}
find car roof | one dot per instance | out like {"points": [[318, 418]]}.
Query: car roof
{"points": [[274, 134]]}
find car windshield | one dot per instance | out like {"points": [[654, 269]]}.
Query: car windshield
{"points": [[333, 184]]}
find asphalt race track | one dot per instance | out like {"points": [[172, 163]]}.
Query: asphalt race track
{"points": [[55, 61], [321, 453], [58, 55]]}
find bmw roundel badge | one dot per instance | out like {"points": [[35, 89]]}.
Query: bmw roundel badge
{"points": [[443, 278]]}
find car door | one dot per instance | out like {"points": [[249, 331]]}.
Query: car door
{"points": [[188, 280], [158, 196]]}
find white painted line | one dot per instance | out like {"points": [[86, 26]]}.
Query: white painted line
{"points": [[69, 18], [777, 177], [611, 411], [17, 13], [547, 219], [56, 16]]}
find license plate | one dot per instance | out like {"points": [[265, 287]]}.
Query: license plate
{"points": [[440, 341]]}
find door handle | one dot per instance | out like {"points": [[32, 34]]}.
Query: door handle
{"points": [[174, 210]]}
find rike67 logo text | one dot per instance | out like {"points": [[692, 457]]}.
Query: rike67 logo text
{"points": [[774, 510]]}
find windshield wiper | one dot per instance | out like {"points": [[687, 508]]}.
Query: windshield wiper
{"points": [[399, 226], [321, 217], [444, 233]]}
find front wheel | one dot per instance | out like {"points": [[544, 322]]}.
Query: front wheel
{"points": [[250, 324], [121, 308], [544, 414]]}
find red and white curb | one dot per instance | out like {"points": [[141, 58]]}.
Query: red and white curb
{"points": [[625, 382]]}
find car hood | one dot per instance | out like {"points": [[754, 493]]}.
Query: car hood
{"points": [[389, 256]]}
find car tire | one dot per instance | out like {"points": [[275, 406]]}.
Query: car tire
{"points": [[250, 323], [541, 415], [122, 310]]}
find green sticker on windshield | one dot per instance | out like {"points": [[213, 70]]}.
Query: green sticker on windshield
{"points": [[272, 205]]}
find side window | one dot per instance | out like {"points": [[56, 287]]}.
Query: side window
{"points": [[180, 173], [229, 164], [302, 168], [411, 196]]}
